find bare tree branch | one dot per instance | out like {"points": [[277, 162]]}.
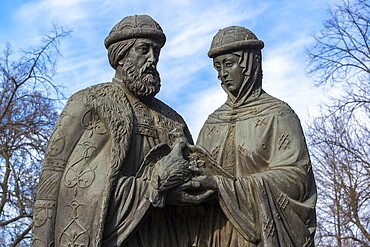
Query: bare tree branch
{"points": [[339, 138], [28, 111]]}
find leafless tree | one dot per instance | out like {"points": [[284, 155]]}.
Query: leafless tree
{"points": [[340, 150], [342, 49], [339, 138], [28, 111]]}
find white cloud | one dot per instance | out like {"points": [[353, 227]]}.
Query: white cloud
{"points": [[284, 77], [64, 12], [187, 73], [200, 105]]}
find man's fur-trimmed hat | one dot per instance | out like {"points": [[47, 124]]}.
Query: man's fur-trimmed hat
{"points": [[137, 26]]}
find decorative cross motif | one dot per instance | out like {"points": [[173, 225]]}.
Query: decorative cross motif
{"points": [[260, 122], [215, 152], [211, 131], [284, 142], [308, 242], [268, 227], [283, 201], [242, 150]]}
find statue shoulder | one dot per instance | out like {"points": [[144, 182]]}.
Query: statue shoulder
{"points": [[263, 106], [279, 108], [97, 92], [108, 101]]}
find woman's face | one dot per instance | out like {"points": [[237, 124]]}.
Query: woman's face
{"points": [[229, 72]]}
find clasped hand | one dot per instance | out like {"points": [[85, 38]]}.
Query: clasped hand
{"points": [[183, 185], [197, 190]]}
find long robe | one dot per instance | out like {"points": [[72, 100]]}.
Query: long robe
{"points": [[89, 192], [259, 140]]}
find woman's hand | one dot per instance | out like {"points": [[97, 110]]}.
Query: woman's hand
{"points": [[208, 182], [198, 190]]}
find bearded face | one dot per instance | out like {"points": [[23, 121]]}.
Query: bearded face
{"points": [[139, 72], [143, 81]]}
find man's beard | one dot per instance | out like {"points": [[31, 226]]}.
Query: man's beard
{"points": [[144, 82]]}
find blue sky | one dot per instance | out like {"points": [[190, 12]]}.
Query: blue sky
{"points": [[189, 82]]}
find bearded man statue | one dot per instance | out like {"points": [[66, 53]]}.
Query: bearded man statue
{"points": [[94, 189]]}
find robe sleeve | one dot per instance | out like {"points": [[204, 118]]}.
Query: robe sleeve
{"points": [[74, 179], [276, 205], [66, 134], [128, 206]]}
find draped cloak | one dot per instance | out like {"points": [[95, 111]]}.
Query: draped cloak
{"points": [[89, 192], [259, 140]]}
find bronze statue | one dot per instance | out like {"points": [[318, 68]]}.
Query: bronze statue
{"points": [[94, 189], [257, 139], [121, 170]]}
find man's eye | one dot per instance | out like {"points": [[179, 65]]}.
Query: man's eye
{"points": [[229, 64], [218, 68], [143, 49]]}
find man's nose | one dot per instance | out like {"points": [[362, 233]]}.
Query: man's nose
{"points": [[152, 57]]}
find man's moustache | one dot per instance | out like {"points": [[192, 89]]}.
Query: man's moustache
{"points": [[148, 69]]}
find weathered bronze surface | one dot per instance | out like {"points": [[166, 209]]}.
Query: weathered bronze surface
{"points": [[92, 190], [259, 140], [121, 170]]}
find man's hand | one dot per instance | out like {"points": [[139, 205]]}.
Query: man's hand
{"points": [[172, 170]]}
